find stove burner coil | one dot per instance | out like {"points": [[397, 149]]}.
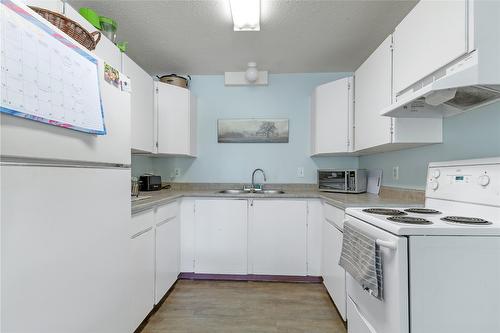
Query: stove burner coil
{"points": [[465, 220], [422, 211], [384, 211], [409, 220]]}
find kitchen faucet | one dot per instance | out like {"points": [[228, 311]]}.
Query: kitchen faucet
{"points": [[259, 186]]}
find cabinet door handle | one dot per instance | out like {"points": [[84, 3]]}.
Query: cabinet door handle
{"points": [[165, 221], [141, 232]]}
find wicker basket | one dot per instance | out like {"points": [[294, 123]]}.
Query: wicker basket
{"points": [[70, 28]]}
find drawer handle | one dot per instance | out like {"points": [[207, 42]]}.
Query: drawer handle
{"points": [[165, 221], [141, 232]]}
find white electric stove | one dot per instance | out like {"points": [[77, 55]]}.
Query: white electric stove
{"points": [[441, 263]]}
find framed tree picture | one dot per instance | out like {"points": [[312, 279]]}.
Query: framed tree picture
{"points": [[252, 131]]}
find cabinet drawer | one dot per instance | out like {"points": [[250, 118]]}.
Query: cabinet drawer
{"points": [[334, 215], [166, 212], [141, 221]]}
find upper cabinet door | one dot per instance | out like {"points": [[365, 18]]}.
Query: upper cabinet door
{"points": [[432, 35], [331, 117], [373, 92], [105, 49], [142, 111], [176, 120]]}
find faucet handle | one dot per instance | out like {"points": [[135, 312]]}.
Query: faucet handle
{"points": [[258, 187]]}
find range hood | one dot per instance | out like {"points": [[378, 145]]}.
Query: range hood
{"points": [[457, 88]]}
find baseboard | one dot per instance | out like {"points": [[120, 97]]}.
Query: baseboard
{"points": [[250, 277]]}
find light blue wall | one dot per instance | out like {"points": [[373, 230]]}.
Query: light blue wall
{"points": [[474, 134], [141, 165], [286, 96]]}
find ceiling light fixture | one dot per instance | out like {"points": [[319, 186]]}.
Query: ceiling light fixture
{"points": [[252, 74], [246, 14]]}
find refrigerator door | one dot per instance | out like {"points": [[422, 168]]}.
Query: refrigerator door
{"points": [[30, 139], [65, 249]]}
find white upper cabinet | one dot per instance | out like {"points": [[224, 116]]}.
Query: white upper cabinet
{"points": [[432, 35], [331, 118], [278, 237], [372, 93], [176, 120], [105, 49], [142, 106]]}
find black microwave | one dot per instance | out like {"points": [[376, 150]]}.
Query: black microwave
{"points": [[150, 183]]}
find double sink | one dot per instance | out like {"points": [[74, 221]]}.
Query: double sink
{"points": [[255, 188], [240, 191]]}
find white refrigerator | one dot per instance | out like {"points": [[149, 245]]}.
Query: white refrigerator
{"points": [[65, 206]]}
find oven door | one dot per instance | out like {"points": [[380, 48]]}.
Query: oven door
{"points": [[332, 180], [366, 313]]}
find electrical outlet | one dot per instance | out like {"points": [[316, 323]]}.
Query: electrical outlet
{"points": [[395, 173], [300, 172], [177, 172]]}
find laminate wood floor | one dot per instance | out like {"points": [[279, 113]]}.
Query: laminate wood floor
{"points": [[220, 306]]}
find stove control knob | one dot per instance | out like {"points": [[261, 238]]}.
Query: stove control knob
{"points": [[436, 173], [483, 180], [434, 185]]}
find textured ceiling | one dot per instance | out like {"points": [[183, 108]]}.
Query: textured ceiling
{"points": [[197, 37]]}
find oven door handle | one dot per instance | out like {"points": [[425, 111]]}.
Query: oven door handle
{"points": [[387, 244]]}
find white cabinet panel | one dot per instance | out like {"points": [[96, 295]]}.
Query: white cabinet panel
{"points": [[334, 215], [314, 237], [333, 274], [176, 120], [221, 236], [142, 106], [357, 323], [167, 255], [331, 117], [65, 250], [143, 273], [277, 237], [187, 234], [373, 92], [433, 34], [105, 49], [141, 221]]}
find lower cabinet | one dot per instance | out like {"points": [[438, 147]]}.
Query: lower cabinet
{"points": [[220, 238], [155, 256], [167, 253], [278, 237], [143, 265], [333, 274]]}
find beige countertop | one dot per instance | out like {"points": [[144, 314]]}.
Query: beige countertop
{"points": [[340, 200]]}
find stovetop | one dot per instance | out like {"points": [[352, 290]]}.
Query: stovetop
{"points": [[461, 198], [426, 221]]}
